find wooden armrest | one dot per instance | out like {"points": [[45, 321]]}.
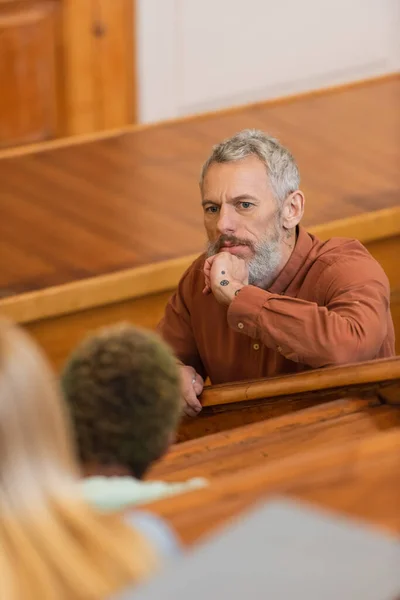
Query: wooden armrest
{"points": [[374, 373]]}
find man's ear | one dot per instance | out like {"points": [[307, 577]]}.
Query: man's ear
{"points": [[292, 210]]}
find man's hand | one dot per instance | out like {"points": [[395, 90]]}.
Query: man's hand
{"points": [[225, 273], [191, 385]]}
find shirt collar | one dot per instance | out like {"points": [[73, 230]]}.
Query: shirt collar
{"points": [[297, 259]]}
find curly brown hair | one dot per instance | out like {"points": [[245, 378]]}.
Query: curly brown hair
{"points": [[122, 387]]}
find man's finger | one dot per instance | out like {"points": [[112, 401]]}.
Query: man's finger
{"points": [[192, 405], [189, 411], [198, 384], [207, 283], [207, 265]]}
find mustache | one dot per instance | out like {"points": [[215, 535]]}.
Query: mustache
{"points": [[230, 239]]}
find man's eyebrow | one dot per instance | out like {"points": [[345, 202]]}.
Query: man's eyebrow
{"points": [[243, 197], [204, 202], [232, 200]]}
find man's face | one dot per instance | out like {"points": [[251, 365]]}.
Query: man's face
{"points": [[241, 215]]}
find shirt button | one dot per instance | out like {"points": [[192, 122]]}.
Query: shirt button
{"points": [[240, 325], [256, 346]]}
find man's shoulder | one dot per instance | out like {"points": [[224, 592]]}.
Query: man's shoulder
{"points": [[340, 248], [343, 254], [194, 274], [344, 259], [197, 263]]}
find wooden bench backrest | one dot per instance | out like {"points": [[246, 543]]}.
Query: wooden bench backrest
{"points": [[232, 405], [274, 439]]}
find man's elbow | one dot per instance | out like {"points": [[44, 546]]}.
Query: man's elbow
{"points": [[351, 351]]}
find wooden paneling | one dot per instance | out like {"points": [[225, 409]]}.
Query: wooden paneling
{"points": [[116, 63], [98, 64], [28, 60], [59, 335], [66, 67], [386, 253], [395, 310], [355, 478], [79, 93]]}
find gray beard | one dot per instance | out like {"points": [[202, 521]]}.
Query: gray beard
{"points": [[263, 267]]}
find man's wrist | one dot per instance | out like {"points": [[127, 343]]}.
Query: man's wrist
{"points": [[236, 288]]}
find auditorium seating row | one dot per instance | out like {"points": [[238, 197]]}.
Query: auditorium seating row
{"points": [[330, 437]]}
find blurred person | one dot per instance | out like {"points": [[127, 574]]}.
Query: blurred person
{"points": [[123, 390], [268, 298], [52, 543]]}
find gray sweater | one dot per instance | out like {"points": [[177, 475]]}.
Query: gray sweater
{"points": [[159, 535]]}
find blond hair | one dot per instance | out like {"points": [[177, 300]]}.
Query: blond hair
{"points": [[281, 167], [52, 544]]}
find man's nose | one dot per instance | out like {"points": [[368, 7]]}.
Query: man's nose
{"points": [[226, 222]]}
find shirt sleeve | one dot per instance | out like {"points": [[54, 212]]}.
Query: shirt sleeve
{"points": [[176, 326], [157, 532], [347, 324]]}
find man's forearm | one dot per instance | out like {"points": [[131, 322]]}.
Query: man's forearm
{"points": [[305, 332]]}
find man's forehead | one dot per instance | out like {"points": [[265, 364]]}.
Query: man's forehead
{"points": [[247, 176]]}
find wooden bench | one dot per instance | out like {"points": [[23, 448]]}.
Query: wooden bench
{"points": [[359, 478], [232, 405], [107, 225], [277, 438]]}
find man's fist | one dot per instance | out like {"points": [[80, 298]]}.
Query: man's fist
{"points": [[224, 274], [191, 385]]}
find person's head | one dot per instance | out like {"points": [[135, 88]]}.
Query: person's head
{"points": [[52, 543], [252, 202], [122, 386], [36, 452]]}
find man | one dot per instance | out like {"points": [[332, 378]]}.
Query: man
{"points": [[123, 390], [268, 298]]}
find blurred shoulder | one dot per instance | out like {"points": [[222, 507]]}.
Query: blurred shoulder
{"points": [[156, 531]]}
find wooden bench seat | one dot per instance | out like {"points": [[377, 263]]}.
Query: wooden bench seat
{"points": [[358, 478], [274, 439]]}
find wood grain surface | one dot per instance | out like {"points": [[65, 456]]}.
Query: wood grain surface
{"points": [[29, 61], [132, 199], [229, 405], [358, 477], [275, 439], [368, 372]]}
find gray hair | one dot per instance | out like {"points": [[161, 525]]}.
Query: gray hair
{"points": [[281, 167]]}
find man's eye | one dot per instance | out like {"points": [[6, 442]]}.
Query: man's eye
{"points": [[246, 204], [211, 209]]}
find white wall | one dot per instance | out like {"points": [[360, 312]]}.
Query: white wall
{"points": [[200, 55]]}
